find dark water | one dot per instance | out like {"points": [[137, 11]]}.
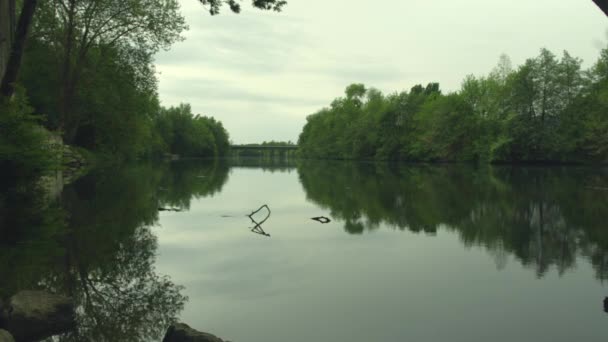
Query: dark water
{"points": [[413, 253]]}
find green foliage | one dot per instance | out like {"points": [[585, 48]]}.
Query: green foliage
{"points": [[215, 5], [93, 43], [546, 110], [190, 135], [113, 107], [26, 149], [276, 143]]}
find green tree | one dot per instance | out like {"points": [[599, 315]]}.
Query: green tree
{"points": [[214, 6], [191, 135], [26, 149], [76, 27]]}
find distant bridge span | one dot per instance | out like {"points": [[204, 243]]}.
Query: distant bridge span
{"points": [[265, 147]]}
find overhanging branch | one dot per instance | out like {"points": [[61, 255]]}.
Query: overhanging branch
{"points": [[603, 5]]}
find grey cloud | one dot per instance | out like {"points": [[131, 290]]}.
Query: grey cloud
{"points": [[255, 44], [231, 92], [308, 54]]}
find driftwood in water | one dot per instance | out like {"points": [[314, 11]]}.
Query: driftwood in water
{"points": [[257, 228], [321, 219], [169, 209]]}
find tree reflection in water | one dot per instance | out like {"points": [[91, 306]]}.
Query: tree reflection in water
{"points": [[96, 245], [544, 217]]}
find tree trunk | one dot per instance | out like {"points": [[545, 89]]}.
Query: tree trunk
{"points": [[7, 27], [18, 45], [67, 90], [603, 5]]}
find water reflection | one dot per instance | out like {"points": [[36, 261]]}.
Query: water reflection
{"points": [[181, 182], [109, 261], [96, 245], [265, 164], [96, 242], [31, 233], [545, 217]]}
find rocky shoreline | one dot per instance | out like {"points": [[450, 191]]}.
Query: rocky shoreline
{"points": [[181, 332], [36, 315], [71, 165]]}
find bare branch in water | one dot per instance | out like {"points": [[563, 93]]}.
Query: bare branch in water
{"points": [[169, 209], [257, 228], [321, 219]]}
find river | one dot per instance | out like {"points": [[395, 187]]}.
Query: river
{"points": [[412, 252]]}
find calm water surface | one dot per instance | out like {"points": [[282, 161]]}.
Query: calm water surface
{"points": [[413, 253]]}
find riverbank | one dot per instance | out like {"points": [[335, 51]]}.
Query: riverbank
{"points": [[37, 315], [72, 163]]}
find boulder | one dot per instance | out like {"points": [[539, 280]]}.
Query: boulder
{"points": [[180, 332], [34, 315], [5, 336], [3, 313]]}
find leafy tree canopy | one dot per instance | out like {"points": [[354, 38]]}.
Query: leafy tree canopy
{"points": [[235, 6]]}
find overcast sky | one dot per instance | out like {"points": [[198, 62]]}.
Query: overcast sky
{"points": [[262, 73]]}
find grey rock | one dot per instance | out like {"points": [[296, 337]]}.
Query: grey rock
{"points": [[180, 332], [36, 315], [5, 336]]}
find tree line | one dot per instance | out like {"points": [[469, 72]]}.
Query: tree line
{"points": [[546, 110], [84, 69], [88, 69]]}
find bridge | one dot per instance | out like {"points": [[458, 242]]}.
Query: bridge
{"points": [[266, 152], [263, 147]]}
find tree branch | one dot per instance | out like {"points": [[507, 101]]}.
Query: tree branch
{"points": [[603, 5]]}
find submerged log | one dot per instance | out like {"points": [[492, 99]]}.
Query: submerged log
{"points": [[180, 332]]}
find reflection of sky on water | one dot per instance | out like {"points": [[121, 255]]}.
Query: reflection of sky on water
{"points": [[315, 282]]}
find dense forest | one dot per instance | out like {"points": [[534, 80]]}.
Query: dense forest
{"points": [[547, 110], [84, 70], [104, 97]]}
